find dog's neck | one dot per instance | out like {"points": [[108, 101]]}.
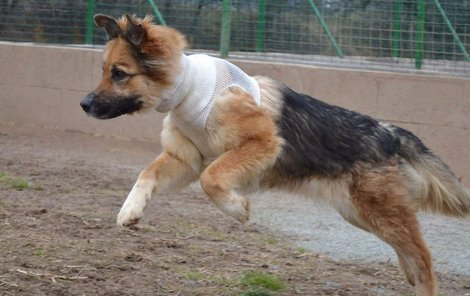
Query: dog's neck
{"points": [[197, 84], [199, 90], [194, 91], [191, 95], [179, 89]]}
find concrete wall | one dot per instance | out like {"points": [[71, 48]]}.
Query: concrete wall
{"points": [[43, 85]]}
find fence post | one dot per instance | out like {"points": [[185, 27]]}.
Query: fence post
{"points": [[260, 25], [157, 13], [325, 28], [451, 28], [89, 22], [225, 28], [396, 27], [420, 34]]}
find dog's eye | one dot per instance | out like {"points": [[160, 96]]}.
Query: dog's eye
{"points": [[118, 75]]}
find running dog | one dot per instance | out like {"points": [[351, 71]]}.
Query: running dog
{"points": [[236, 133]]}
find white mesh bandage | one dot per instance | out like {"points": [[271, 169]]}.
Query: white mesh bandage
{"points": [[203, 78], [230, 75]]}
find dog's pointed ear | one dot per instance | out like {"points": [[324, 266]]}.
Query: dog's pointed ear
{"points": [[109, 24], [135, 31]]}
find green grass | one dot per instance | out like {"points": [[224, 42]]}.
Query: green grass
{"points": [[15, 183], [39, 253], [192, 275], [10, 182], [260, 281], [301, 250]]}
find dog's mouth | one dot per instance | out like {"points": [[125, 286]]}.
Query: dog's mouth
{"points": [[110, 108]]}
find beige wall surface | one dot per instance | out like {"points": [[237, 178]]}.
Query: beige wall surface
{"points": [[43, 85]]}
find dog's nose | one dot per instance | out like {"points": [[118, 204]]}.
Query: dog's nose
{"points": [[87, 102]]}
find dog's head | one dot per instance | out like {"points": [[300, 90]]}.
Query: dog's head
{"points": [[139, 62]]}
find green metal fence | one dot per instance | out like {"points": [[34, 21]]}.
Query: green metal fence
{"points": [[424, 36]]}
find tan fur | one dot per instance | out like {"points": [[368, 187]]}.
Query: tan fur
{"points": [[434, 186], [176, 144], [245, 145], [163, 44], [247, 136], [382, 202], [270, 96], [443, 194]]}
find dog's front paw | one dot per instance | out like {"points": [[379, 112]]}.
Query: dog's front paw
{"points": [[133, 208], [238, 208], [243, 215], [129, 215]]}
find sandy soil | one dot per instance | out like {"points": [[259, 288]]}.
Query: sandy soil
{"points": [[61, 190]]}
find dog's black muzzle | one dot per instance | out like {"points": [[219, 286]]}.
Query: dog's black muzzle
{"points": [[105, 107], [87, 102]]}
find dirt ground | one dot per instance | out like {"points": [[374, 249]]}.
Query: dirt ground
{"points": [[60, 192]]}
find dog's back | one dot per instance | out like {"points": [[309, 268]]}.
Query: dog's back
{"points": [[323, 140], [327, 142]]}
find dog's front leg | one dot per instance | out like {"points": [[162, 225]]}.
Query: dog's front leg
{"points": [[232, 170], [165, 174]]}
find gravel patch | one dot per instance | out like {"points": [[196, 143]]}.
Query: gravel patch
{"points": [[320, 229]]}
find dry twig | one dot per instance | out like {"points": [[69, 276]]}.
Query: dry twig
{"points": [[52, 276]]}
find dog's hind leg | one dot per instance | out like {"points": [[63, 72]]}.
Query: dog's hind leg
{"points": [[381, 199], [352, 217], [407, 270]]}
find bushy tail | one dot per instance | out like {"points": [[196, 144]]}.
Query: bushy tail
{"points": [[443, 193]]}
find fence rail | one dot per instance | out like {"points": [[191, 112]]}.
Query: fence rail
{"points": [[424, 36]]}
